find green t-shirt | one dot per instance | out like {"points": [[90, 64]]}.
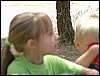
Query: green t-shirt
{"points": [[52, 65]]}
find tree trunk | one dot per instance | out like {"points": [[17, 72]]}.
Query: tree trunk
{"points": [[64, 25]]}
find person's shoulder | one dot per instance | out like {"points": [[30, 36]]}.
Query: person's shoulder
{"points": [[15, 63], [51, 57], [54, 58], [16, 66]]}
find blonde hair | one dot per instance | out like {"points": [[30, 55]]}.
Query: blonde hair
{"points": [[87, 25], [23, 27]]}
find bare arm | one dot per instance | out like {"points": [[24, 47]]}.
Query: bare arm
{"points": [[88, 56], [87, 71]]}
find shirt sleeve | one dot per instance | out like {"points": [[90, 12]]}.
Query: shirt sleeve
{"points": [[70, 67], [62, 66]]}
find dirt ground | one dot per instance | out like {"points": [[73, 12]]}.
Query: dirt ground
{"points": [[68, 52], [65, 51]]}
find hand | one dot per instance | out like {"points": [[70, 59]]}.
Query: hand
{"points": [[88, 71]]}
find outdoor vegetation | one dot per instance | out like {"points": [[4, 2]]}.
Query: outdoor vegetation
{"points": [[66, 15]]}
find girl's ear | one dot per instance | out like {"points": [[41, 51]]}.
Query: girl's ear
{"points": [[76, 43], [30, 43]]}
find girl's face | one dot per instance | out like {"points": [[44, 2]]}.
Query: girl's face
{"points": [[49, 43]]}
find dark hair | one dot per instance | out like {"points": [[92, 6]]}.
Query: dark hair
{"points": [[6, 58], [23, 27]]}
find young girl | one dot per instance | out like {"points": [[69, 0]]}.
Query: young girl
{"points": [[32, 34], [87, 40]]}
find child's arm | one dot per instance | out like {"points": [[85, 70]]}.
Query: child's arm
{"points": [[86, 59], [87, 71]]}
